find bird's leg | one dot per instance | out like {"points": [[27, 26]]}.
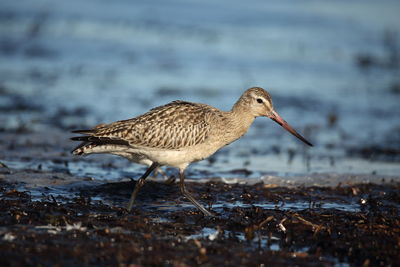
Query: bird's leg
{"points": [[186, 194], [140, 183]]}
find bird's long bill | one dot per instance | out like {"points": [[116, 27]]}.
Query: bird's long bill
{"points": [[278, 119]]}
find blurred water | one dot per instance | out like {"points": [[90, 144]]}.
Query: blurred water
{"points": [[332, 69]]}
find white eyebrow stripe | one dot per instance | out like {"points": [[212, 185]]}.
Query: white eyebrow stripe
{"points": [[266, 101]]}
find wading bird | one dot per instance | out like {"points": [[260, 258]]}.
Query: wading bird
{"points": [[179, 133]]}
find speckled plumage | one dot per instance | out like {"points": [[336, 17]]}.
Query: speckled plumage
{"points": [[176, 134], [172, 126]]}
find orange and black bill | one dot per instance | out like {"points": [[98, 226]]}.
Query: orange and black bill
{"points": [[278, 119]]}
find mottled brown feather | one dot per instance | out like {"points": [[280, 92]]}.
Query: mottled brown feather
{"points": [[172, 126]]}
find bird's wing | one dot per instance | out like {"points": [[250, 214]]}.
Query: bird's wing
{"points": [[172, 126]]}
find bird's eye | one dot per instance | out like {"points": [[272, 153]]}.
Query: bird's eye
{"points": [[259, 100]]}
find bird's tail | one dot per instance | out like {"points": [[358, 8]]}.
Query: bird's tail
{"points": [[89, 142]]}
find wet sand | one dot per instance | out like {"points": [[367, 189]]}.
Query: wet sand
{"points": [[254, 225]]}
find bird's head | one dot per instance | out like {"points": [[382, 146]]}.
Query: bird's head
{"points": [[258, 102]]}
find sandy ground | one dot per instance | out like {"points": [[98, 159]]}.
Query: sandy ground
{"points": [[254, 225]]}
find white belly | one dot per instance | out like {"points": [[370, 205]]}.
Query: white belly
{"points": [[178, 158]]}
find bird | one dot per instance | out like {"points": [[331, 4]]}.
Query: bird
{"points": [[179, 133]]}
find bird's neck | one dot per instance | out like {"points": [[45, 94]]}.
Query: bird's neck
{"points": [[240, 113], [239, 122]]}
